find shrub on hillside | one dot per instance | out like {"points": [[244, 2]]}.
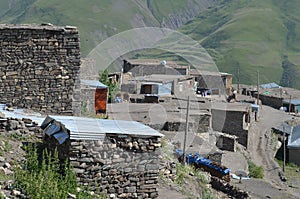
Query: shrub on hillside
{"points": [[46, 178], [255, 171]]}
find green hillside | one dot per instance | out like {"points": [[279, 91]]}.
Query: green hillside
{"points": [[96, 19], [249, 35], [252, 36]]}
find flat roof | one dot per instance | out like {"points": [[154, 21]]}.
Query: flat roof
{"points": [[160, 78], [33, 26], [150, 62], [211, 73], [280, 92], [236, 106]]}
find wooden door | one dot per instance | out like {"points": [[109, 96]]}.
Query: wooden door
{"points": [[100, 100]]}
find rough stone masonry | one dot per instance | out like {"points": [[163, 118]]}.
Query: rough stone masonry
{"points": [[121, 166], [39, 68]]}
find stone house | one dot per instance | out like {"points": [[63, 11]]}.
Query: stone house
{"points": [[233, 119], [93, 96], [120, 158], [217, 82], [159, 85], [277, 96]]}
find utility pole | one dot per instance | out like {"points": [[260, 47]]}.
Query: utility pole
{"points": [[257, 88], [186, 129], [284, 151], [281, 97], [238, 79], [290, 104]]}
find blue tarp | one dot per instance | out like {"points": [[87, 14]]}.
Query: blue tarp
{"points": [[197, 159], [270, 85]]}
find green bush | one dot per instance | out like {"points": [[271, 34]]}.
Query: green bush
{"points": [[207, 194], [46, 179], [255, 171]]}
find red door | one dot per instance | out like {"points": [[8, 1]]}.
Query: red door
{"points": [[100, 100]]}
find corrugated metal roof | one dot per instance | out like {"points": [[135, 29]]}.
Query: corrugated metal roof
{"points": [[95, 129], [92, 83], [21, 113], [294, 138], [270, 85], [293, 101]]}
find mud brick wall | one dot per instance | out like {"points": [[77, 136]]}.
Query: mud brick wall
{"points": [[121, 166], [39, 68]]}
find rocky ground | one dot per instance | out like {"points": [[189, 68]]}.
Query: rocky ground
{"points": [[14, 135]]}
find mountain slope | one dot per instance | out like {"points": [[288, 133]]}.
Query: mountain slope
{"points": [[250, 36], [99, 19]]}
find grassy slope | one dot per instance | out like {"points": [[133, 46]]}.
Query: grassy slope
{"points": [[4, 6], [249, 35], [96, 19]]}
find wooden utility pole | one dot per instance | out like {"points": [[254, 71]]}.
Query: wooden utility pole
{"points": [[281, 97], [290, 104], [238, 79], [186, 128], [257, 102], [284, 151]]}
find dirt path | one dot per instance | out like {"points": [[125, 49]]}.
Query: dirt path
{"points": [[165, 193], [261, 146]]}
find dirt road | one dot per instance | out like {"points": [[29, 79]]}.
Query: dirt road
{"points": [[261, 146]]}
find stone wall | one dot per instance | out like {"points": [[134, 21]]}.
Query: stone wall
{"points": [[199, 123], [273, 101], [226, 142], [121, 166], [39, 68], [19, 127], [228, 189], [87, 101], [230, 122]]}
